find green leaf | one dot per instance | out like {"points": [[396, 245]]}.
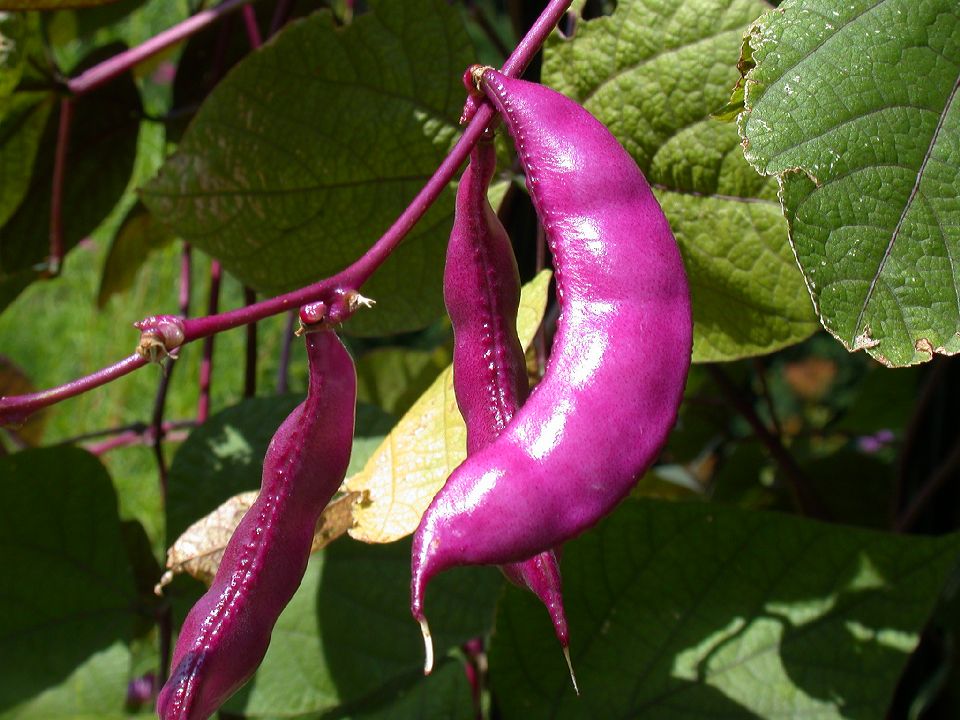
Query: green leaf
{"points": [[393, 378], [139, 235], [446, 693], [687, 610], [15, 34], [652, 73], [21, 128], [867, 162], [310, 148], [69, 600], [347, 637]]}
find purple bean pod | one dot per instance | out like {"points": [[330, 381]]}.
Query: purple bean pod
{"points": [[615, 378], [481, 288], [226, 634]]}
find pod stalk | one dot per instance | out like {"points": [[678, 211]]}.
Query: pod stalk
{"points": [[573, 677], [427, 647]]}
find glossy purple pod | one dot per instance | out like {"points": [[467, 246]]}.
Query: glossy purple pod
{"points": [[226, 634], [481, 288], [620, 356]]}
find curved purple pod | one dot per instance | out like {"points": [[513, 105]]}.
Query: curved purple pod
{"points": [[481, 288], [620, 357], [226, 634]]}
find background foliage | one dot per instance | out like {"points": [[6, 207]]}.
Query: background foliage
{"points": [[806, 156]]}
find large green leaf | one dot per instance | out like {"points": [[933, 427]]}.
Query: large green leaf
{"points": [[652, 73], [347, 637], [691, 610], [853, 106], [311, 147], [68, 602]]}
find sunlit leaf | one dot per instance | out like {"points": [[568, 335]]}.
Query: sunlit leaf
{"points": [[653, 73], [854, 107]]}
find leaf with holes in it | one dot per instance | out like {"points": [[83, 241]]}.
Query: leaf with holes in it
{"points": [[653, 73], [854, 108], [312, 146]]}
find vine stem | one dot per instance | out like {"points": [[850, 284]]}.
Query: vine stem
{"points": [[944, 472], [805, 497], [206, 364], [55, 260], [253, 30], [17, 408], [121, 62], [281, 14]]}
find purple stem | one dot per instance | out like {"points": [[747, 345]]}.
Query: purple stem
{"points": [[132, 437], [805, 497], [156, 424], [56, 193], [206, 365], [945, 472], [121, 62], [185, 282], [17, 408], [253, 31], [280, 15]]}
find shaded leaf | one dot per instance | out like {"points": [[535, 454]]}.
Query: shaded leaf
{"points": [[393, 378], [69, 600], [867, 162], [21, 127], [139, 235], [310, 148], [687, 610], [347, 639], [413, 462], [652, 73]]}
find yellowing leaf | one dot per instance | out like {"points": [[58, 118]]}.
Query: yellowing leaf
{"points": [[199, 549], [415, 459]]}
